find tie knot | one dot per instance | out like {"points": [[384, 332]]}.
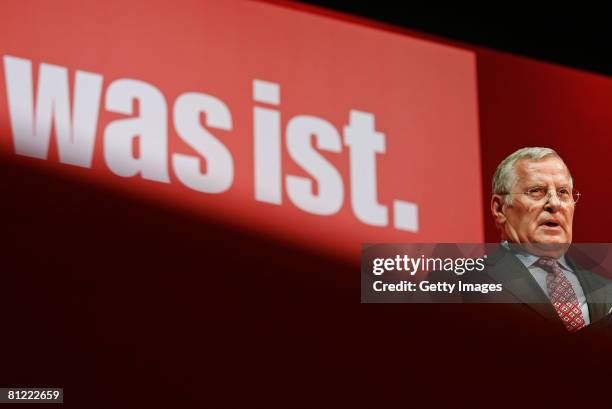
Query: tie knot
{"points": [[549, 264]]}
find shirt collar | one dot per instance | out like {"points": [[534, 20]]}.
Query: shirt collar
{"points": [[529, 259]]}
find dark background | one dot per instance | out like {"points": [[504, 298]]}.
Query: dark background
{"points": [[125, 304], [578, 38]]}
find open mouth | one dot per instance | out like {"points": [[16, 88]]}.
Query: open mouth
{"points": [[551, 223]]}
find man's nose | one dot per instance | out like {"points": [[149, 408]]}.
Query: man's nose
{"points": [[553, 203]]}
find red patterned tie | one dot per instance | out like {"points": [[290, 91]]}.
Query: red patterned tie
{"points": [[562, 295]]}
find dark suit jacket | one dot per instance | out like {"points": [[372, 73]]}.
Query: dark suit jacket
{"points": [[519, 287]]}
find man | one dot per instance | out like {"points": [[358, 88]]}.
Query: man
{"points": [[533, 206]]}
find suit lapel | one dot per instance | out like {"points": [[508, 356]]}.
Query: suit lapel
{"points": [[596, 294], [506, 269]]}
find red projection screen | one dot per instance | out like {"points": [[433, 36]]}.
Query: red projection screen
{"points": [[262, 116]]}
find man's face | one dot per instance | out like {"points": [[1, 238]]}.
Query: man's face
{"points": [[548, 220]]}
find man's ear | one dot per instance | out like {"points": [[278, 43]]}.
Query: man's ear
{"points": [[498, 210]]}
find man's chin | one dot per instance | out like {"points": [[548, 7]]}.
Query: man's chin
{"points": [[548, 247], [551, 238]]}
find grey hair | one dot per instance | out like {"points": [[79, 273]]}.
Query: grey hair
{"points": [[505, 175]]}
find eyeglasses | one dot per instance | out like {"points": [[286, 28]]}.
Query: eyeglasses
{"points": [[538, 193]]}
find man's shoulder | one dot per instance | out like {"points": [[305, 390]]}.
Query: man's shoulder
{"points": [[596, 284], [590, 274]]}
